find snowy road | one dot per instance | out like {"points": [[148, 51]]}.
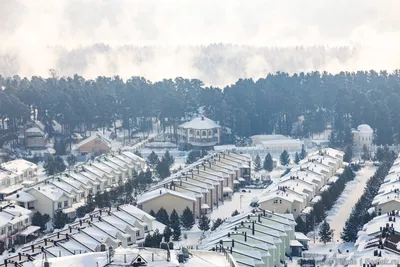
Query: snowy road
{"points": [[338, 215]]}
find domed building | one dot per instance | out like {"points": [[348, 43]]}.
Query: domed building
{"points": [[199, 133], [363, 135]]}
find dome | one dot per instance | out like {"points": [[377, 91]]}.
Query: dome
{"points": [[365, 128]]}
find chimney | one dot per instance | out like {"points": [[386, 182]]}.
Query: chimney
{"points": [[264, 213], [80, 222], [233, 243], [58, 235], [45, 241], [252, 229], [202, 118], [160, 192], [33, 248], [19, 256], [245, 236]]}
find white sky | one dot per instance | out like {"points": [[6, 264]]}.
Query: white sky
{"points": [[29, 26]]}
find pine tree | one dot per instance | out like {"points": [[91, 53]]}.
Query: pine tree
{"points": [[152, 213], [303, 153], [40, 220], [167, 233], [90, 205], [296, 158], [216, 224], [81, 211], [325, 232], [163, 168], [157, 238], [175, 225], [99, 200], [234, 213], [350, 229], [60, 219], [257, 164], [191, 158], [204, 223], [71, 159], [169, 159], [300, 225], [268, 163], [284, 158], [187, 219], [148, 241], [366, 155], [162, 216], [348, 154], [152, 159]]}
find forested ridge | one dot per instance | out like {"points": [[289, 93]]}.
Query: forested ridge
{"points": [[269, 105]]}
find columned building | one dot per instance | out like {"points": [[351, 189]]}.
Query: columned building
{"points": [[363, 135], [199, 133]]}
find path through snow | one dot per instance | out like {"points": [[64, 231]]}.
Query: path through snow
{"points": [[339, 213]]}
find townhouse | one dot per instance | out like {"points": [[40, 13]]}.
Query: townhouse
{"points": [[297, 191], [388, 197], [15, 225], [16, 174], [201, 186], [69, 190], [122, 226], [258, 238]]}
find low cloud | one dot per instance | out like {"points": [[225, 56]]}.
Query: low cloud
{"points": [[170, 38]]}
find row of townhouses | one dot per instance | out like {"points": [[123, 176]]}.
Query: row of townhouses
{"points": [[201, 186], [69, 190], [259, 238], [381, 235], [299, 189], [388, 197], [121, 226], [15, 175]]}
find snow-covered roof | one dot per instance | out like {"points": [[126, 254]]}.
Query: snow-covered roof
{"points": [[282, 142], [307, 210], [34, 130], [289, 195], [316, 199], [19, 166], [200, 123], [300, 236], [364, 128], [21, 196], [99, 136], [13, 214], [163, 191], [49, 191]]}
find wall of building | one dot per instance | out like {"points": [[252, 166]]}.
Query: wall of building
{"points": [[169, 203], [94, 146]]}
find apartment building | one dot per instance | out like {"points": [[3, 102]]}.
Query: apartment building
{"points": [[15, 225], [200, 186], [15, 174]]}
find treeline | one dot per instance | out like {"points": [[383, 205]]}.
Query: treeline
{"points": [[359, 215], [269, 105], [328, 199]]}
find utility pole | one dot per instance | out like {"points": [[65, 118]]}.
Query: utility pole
{"points": [[240, 201]]}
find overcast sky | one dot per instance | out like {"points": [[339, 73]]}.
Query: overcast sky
{"points": [[29, 26]]}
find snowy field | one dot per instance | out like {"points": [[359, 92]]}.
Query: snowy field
{"points": [[340, 212]]}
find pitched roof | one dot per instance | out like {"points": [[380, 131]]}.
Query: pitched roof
{"points": [[163, 191], [105, 140], [200, 123]]}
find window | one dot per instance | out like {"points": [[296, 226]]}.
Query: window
{"points": [[59, 205], [197, 132], [113, 179], [66, 203], [82, 195], [97, 142], [203, 133], [146, 228], [280, 201], [137, 233], [294, 209], [191, 131], [209, 132], [215, 131], [74, 200], [98, 187], [90, 191], [26, 221], [2, 231], [129, 239], [105, 183]]}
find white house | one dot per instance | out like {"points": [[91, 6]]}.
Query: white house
{"points": [[363, 135], [200, 133]]}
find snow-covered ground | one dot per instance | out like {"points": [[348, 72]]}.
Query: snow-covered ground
{"points": [[240, 202], [340, 212]]}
